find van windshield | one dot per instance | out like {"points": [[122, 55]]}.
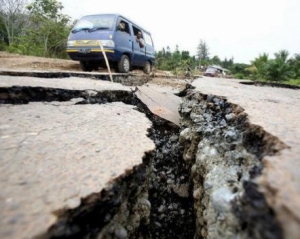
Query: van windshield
{"points": [[94, 23]]}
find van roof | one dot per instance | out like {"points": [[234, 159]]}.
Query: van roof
{"points": [[119, 15]]}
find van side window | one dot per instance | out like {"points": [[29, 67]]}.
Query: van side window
{"points": [[139, 38], [136, 30], [148, 39], [123, 26]]}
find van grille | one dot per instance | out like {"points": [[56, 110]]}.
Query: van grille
{"points": [[86, 43]]}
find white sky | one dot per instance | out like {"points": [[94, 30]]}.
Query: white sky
{"points": [[241, 29]]}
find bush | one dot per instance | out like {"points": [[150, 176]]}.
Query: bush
{"points": [[3, 46], [239, 76]]}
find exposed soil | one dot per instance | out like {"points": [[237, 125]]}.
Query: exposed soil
{"points": [[16, 61]]}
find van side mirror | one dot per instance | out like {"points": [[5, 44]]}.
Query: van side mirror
{"points": [[121, 27]]}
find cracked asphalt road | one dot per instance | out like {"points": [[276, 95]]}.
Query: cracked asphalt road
{"points": [[46, 147], [54, 153]]}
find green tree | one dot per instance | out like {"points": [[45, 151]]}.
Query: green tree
{"points": [[13, 19], [259, 66], [185, 55], [174, 62], [239, 69], [227, 63], [164, 59], [49, 30], [295, 65], [168, 52], [279, 69], [160, 58], [176, 54], [3, 36], [215, 60]]}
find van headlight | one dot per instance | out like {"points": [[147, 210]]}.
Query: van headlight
{"points": [[70, 43], [108, 43]]}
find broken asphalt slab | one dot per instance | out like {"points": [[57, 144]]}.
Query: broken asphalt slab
{"points": [[161, 101], [123, 78], [55, 153], [276, 110]]}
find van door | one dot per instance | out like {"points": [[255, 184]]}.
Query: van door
{"points": [[139, 52], [123, 39], [150, 52]]}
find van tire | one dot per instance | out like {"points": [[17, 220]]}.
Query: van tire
{"points": [[124, 64], [147, 68], [85, 66]]}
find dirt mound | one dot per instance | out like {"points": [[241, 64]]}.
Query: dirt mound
{"points": [[16, 61]]}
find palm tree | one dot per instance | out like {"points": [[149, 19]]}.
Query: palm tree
{"points": [[258, 69], [295, 65], [279, 69]]}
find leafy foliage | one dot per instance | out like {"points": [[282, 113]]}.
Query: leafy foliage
{"points": [[216, 60], [295, 65], [45, 32], [240, 69], [227, 63], [13, 19], [278, 69], [239, 76], [49, 29], [259, 66]]}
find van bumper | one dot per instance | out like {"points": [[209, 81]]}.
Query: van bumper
{"points": [[91, 55]]}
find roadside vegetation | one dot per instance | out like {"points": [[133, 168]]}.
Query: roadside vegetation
{"points": [[281, 68], [41, 29]]}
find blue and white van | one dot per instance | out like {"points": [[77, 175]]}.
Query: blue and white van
{"points": [[117, 35]]}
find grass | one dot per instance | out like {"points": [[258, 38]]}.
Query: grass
{"points": [[288, 82], [293, 82]]}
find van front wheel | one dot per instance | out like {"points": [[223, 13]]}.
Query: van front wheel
{"points": [[147, 68], [124, 64]]}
